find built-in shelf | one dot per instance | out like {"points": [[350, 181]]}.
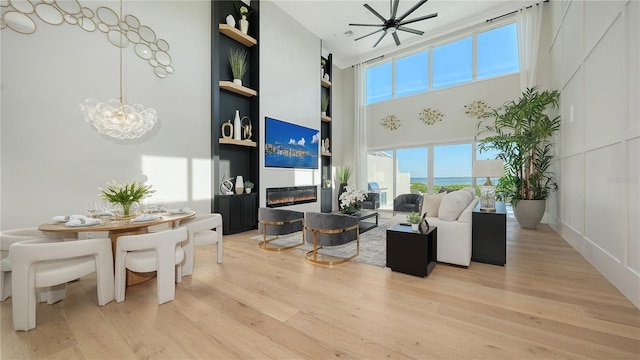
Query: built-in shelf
{"points": [[325, 153], [238, 142], [237, 35], [325, 83], [238, 89], [325, 118]]}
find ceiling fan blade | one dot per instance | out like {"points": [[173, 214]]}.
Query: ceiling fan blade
{"points": [[375, 12], [419, 19], [381, 37], [413, 8], [409, 30], [395, 38], [366, 24], [394, 9], [361, 37]]}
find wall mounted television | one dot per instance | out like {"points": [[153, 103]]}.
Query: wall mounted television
{"points": [[289, 145]]}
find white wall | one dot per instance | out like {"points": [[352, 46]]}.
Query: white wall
{"points": [[289, 91], [455, 125], [52, 161], [594, 61]]}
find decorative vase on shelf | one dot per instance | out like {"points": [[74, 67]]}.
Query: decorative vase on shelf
{"points": [[248, 190], [237, 126], [415, 227], [244, 24], [239, 184], [237, 82]]}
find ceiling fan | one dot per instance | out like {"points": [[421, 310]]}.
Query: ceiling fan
{"points": [[393, 24]]}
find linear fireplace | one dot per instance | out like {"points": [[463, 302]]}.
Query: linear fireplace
{"points": [[284, 196]]}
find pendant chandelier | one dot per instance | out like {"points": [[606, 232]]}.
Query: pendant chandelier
{"points": [[115, 118]]}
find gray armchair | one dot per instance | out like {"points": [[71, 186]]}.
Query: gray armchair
{"points": [[372, 201], [279, 222], [324, 229], [407, 203]]}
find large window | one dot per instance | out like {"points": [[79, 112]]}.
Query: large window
{"points": [[498, 52], [452, 166], [453, 63], [411, 173], [490, 53], [412, 74], [379, 80]]}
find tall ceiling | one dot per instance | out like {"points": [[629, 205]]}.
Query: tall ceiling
{"points": [[329, 20]]}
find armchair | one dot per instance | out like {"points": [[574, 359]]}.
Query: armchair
{"points": [[372, 202], [407, 203], [330, 230], [279, 222]]}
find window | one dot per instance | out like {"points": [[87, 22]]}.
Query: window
{"points": [[412, 74], [495, 53], [453, 63], [379, 79], [498, 52], [452, 166], [411, 174]]}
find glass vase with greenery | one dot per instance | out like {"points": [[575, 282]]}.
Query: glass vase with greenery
{"points": [[125, 194]]}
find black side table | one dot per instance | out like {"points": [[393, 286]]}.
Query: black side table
{"points": [[412, 252], [489, 235]]}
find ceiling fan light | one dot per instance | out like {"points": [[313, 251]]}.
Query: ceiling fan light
{"points": [[391, 30]]}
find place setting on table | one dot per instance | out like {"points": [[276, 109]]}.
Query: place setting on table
{"points": [[122, 207]]}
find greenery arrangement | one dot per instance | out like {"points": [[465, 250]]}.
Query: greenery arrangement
{"points": [[125, 194], [343, 173], [324, 102], [238, 62], [243, 10], [248, 185], [414, 218], [350, 199], [521, 132]]}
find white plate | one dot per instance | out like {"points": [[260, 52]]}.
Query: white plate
{"points": [[82, 225], [144, 220]]}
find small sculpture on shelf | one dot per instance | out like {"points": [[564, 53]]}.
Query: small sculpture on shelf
{"points": [[227, 127], [325, 145], [246, 128], [226, 185]]}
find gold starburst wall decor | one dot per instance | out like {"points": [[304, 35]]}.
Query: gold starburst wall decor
{"points": [[476, 109], [430, 116], [390, 122]]}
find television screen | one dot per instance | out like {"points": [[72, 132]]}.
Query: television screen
{"points": [[290, 146]]}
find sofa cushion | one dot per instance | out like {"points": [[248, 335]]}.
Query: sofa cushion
{"points": [[471, 191], [431, 203], [453, 204]]}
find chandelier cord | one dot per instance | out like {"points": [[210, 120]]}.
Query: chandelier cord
{"points": [[121, 93]]}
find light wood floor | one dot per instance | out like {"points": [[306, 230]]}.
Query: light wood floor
{"points": [[547, 302]]}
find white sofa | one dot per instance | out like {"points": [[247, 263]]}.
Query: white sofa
{"points": [[454, 235]]}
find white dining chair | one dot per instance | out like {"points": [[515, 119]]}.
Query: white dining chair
{"points": [[160, 252], [38, 264], [203, 229], [9, 237]]}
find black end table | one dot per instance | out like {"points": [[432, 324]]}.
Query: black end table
{"points": [[489, 235], [412, 252]]}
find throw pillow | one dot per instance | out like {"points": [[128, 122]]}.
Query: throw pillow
{"points": [[431, 203], [471, 191], [445, 190], [453, 204]]}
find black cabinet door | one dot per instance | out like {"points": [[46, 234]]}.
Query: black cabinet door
{"points": [[239, 212], [489, 235]]}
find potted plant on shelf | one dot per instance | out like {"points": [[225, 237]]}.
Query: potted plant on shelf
{"points": [[414, 219], [324, 103], [521, 131], [243, 23], [343, 173], [248, 185], [239, 65]]}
